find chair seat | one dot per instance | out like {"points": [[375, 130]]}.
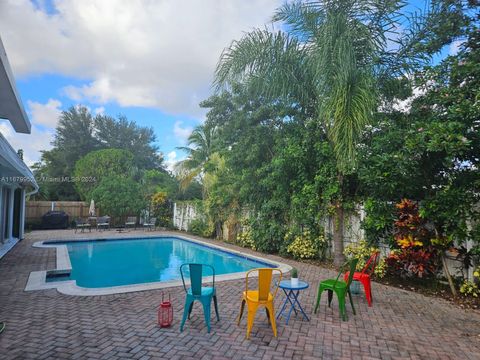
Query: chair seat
{"points": [[206, 291], [331, 283], [358, 275], [252, 295]]}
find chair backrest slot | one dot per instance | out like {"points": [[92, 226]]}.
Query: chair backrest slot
{"points": [[264, 280], [196, 278], [196, 275], [352, 264], [371, 263]]}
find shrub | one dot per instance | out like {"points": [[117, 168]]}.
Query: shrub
{"points": [[415, 256], [410, 262], [410, 229], [361, 251], [119, 197], [99, 165], [162, 209], [381, 268], [245, 238], [201, 228], [267, 234], [304, 245], [470, 288]]}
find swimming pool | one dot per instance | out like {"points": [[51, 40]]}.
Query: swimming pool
{"points": [[123, 262], [107, 266]]}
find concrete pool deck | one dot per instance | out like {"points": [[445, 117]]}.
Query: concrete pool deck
{"points": [[46, 324]]}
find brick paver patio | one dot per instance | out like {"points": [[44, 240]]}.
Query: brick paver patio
{"points": [[49, 325]]}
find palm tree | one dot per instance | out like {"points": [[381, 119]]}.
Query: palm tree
{"points": [[201, 146], [326, 60]]}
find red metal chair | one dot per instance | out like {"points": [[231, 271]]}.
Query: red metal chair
{"points": [[365, 275]]}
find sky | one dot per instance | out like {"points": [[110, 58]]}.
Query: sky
{"points": [[150, 60]]}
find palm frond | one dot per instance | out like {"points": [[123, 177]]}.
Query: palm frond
{"points": [[301, 18], [271, 64], [201, 145]]}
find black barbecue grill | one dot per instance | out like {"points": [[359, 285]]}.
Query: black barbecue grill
{"points": [[55, 220]]}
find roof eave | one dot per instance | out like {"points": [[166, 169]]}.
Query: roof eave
{"points": [[11, 106]]}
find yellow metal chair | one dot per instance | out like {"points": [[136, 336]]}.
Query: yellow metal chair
{"points": [[260, 297]]}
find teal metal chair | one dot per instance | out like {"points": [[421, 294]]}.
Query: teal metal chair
{"points": [[341, 288], [198, 292]]}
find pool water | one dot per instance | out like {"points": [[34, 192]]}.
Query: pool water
{"points": [[107, 263]]}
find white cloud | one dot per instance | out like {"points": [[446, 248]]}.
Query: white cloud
{"points": [[31, 144], [171, 160], [455, 47], [45, 114], [182, 133], [134, 52], [99, 110], [406, 104]]}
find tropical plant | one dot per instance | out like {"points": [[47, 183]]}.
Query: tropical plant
{"points": [[201, 146], [428, 150], [245, 238], [305, 245], [470, 288], [162, 209], [362, 251], [410, 228], [326, 61], [413, 255], [201, 227], [412, 262]]}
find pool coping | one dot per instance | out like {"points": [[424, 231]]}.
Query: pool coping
{"points": [[37, 279]]}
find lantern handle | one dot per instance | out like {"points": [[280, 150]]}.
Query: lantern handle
{"points": [[163, 297]]}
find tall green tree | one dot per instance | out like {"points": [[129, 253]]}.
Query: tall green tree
{"points": [[278, 166], [124, 134], [327, 61], [159, 180], [201, 146], [119, 197], [428, 151], [74, 138], [98, 165], [79, 133]]}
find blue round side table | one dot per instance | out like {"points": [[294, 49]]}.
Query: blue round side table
{"points": [[291, 293]]}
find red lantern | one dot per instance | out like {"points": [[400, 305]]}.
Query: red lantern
{"points": [[165, 313]]}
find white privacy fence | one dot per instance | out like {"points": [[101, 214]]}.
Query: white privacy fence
{"points": [[184, 213]]}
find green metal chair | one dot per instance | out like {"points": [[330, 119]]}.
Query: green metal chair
{"points": [[341, 288], [198, 292]]}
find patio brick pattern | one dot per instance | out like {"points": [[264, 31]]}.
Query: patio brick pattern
{"points": [[49, 325]]}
